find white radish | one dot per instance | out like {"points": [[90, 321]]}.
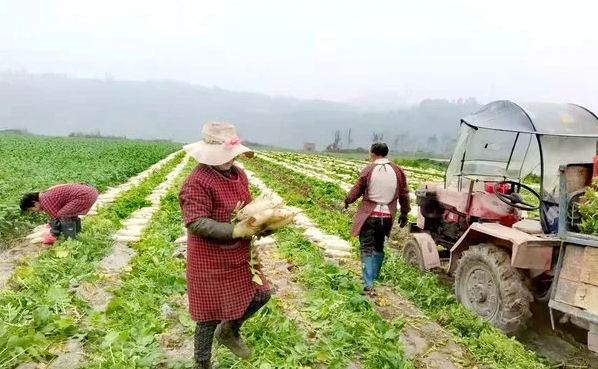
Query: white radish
{"points": [[39, 228], [131, 222], [125, 238], [134, 228], [181, 240], [283, 213], [337, 246], [281, 223], [260, 218], [132, 233], [37, 234], [254, 208], [337, 253], [141, 216]]}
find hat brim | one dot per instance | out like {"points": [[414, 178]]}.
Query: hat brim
{"points": [[215, 154]]}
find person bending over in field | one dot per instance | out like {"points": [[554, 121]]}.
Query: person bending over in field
{"points": [[222, 295], [381, 184], [63, 203]]}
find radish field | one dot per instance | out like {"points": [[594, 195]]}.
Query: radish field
{"points": [[116, 296], [34, 163]]}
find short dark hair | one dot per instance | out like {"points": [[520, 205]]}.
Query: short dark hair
{"points": [[28, 200], [379, 148]]}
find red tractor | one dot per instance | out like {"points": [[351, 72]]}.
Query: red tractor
{"points": [[507, 213]]}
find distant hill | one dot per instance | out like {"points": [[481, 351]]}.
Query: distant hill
{"points": [[15, 131], [60, 105]]}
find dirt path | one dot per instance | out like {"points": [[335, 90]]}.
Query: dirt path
{"points": [[425, 342], [10, 258], [177, 342], [564, 347]]}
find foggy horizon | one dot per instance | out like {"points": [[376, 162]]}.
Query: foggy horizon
{"points": [[333, 51]]}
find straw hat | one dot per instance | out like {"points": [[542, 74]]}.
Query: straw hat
{"points": [[219, 144]]}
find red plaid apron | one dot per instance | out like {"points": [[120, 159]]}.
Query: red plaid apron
{"points": [[68, 200], [218, 275]]}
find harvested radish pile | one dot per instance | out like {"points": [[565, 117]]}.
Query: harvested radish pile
{"points": [[38, 234]]}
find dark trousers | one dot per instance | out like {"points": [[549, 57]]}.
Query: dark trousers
{"points": [[371, 237], [69, 227], [204, 331], [371, 247]]}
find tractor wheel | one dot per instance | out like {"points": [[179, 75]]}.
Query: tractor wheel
{"points": [[485, 282], [412, 255]]}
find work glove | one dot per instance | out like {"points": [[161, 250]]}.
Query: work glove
{"points": [[403, 220], [49, 239], [246, 229]]}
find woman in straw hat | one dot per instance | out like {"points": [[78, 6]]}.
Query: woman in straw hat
{"points": [[219, 281]]}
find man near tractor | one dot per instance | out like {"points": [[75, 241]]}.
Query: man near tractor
{"points": [[381, 184], [63, 203]]}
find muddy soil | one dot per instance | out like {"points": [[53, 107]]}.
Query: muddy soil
{"points": [[11, 257], [565, 347], [428, 344], [99, 293], [425, 342]]}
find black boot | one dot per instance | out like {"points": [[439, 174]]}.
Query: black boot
{"points": [[231, 339], [203, 365], [78, 225], [69, 227]]}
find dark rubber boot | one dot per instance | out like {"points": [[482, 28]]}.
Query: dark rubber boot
{"points": [[203, 365], [69, 227], [78, 224], [225, 335]]}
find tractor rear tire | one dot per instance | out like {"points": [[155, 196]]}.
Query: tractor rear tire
{"points": [[486, 283], [412, 254]]}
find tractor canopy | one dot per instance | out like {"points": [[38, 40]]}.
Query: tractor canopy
{"points": [[509, 141]]}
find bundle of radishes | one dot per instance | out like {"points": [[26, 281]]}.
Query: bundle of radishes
{"points": [[38, 234], [267, 213]]}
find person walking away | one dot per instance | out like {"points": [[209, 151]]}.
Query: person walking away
{"points": [[63, 203], [380, 184], [222, 295]]}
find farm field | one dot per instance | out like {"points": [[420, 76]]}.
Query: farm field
{"points": [[100, 303], [34, 163]]}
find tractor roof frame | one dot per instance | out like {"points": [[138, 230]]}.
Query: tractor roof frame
{"points": [[506, 131]]}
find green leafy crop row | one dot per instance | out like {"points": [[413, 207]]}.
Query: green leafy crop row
{"points": [[318, 199], [40, 311], [34, 163]]}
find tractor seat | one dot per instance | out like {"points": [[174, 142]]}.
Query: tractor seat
{"points": [[529, 226]]}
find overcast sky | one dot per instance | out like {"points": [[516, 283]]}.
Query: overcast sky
{"points": [[336, 50]]}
